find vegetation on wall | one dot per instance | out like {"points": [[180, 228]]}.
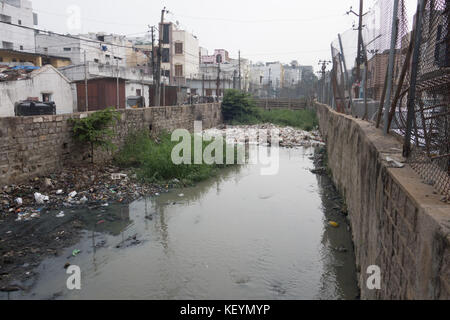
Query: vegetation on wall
{"points": [[96, 129]]}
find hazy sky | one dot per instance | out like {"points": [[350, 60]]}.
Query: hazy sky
{"points": [[264, 30]]}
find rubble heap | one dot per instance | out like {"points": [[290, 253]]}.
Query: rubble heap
{"points": [[289, 137]]}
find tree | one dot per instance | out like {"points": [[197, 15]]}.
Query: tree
{"points": [[96, 129], [238, 105]]}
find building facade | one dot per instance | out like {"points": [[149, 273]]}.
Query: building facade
{"points": [[46, 83], [101, 48], [20, 13], [180, 54]]}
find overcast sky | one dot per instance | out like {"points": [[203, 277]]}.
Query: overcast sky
{"points": [[264, 30]]}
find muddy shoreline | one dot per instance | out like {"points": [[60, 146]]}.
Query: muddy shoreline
{"points": [[32, 230]]}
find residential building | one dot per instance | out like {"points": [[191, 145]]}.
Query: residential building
{"points": [[16, 58], [14, 14], [43, 84], [180, 54], [220, 55], [101, 48]]}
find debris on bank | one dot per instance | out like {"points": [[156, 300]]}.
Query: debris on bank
{"points": [[86, 186], [288, 137]]}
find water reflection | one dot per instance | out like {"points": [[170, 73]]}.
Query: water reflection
{"points": [[239, 235]]}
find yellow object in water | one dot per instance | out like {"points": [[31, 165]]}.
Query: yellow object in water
{"points": [[334, 224]]}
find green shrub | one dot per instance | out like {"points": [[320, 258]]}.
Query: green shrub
{"points": [[152, 160], [96, 129], [239, 108]]}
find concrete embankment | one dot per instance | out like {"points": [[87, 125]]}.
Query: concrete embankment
{"points": [[34, 146], [398, 223]]}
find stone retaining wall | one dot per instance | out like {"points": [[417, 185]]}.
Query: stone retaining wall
{"points": [[33, 146], [398, 223]]}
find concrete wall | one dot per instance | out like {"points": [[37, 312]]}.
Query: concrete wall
{"points": [[45, 80], [398, 222], [33, 146], [20, 12]]}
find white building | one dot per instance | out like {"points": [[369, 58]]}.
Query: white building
{"points": [[46, 82], [17, 12], [180, 54], [101, 48]]}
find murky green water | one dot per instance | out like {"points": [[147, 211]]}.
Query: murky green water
{"points": [[238, 236]]}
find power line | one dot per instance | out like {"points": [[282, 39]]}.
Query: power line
{"points": [[70, 36]]}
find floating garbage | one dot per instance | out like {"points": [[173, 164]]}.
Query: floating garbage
{"points": [[334, 224], [59, 192], [181, 195], [61, 215], [19, 201], [84, 199], [76, 252]]}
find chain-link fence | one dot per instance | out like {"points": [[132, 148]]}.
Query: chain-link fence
{"points": [[389, 68], [430, 115]]}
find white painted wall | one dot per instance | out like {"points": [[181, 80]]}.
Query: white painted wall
{"points": [[74, 48], [131, 87], [17, 10], [45, 80]]}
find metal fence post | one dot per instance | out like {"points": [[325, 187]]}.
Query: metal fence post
{"points": [[414, 69], [346, 76], [387, 102]]}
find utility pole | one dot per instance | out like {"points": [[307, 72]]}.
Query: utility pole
{"points": [[86, 82], [219, 60], [360, 56], [203, 86], [153, 50], [346, 77], [158, 63], [358, 62], [240, 87], [117, 79], [323, 72]]}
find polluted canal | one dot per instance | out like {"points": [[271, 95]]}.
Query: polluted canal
{"points": [[239, 235]]}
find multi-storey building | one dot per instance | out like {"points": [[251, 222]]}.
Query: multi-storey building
{"points": [[14, 15], [180, 54]]}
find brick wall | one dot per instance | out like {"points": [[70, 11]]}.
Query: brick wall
{"points": [[33, 146], [398, 222]]}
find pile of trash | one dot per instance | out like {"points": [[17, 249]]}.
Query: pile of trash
{"points": [[262, 134], [91, 187], [16, 73]]}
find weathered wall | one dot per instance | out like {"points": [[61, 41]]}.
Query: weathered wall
{"points": [[398, 223], [45, 80], [33, 146]]}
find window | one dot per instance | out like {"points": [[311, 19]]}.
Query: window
{"points": [[1, 59], [138, 92], [14, 60], [96, 60], [165, 55], [179, 48], [67, 49], [107, 56], [178, 70], [21, 48], [46, 97], [4, 18], [166, 34], [19, 22], [7, 45]]}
